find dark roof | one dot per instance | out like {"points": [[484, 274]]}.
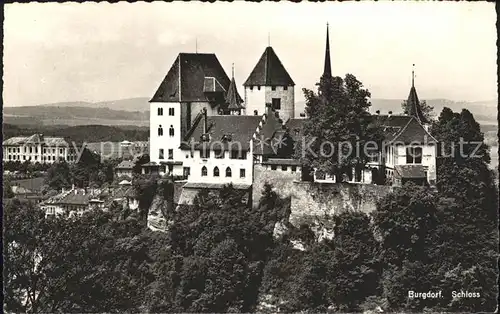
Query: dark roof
{"points": [[295, 127], [239, 128], [282, 161], [412, 132], [192, 76], [233, 99], [73, 197], [269, 71], [409, 171], [414, 108], [270, 135]]}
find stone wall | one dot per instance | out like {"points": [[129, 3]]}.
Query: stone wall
{"points": [[312, 202]]}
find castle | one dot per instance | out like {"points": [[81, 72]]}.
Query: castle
{"points": [[202, 130]]}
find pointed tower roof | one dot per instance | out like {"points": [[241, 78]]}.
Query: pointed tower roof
{"points": [[269, 71], [328, 67], [233, 99], [413, 103]]}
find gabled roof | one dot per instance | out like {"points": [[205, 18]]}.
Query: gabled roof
{"points": [[271, 134], [412, 132], [233, 99], [239, 128], [414, 108], [269, 71], [190, 77]]}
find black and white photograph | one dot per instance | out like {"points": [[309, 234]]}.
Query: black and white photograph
{"points": [[250, 157]]}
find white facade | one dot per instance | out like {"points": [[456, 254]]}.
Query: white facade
{"points": [[165, 133], [38, 153], [241, 170], [256, 98], [396, 155]]}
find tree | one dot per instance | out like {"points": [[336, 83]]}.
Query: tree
{"points": [[427, 110], [338, 124], [59, 176]]}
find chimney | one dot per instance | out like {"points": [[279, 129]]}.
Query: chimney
{"points": [[205, 125]]}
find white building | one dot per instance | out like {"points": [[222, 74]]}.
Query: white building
{"points": [[38, 148]]}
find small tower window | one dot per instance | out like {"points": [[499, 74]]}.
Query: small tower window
{"points": [[216, 171], [258, 87], [255, 113], [204, 171], [160, 131], [273, 88], [171, 131], [228, 172], [285, 87], [160, 111], [277, 103], [251, 87]]}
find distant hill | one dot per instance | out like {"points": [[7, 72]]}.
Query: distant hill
{"points": [[82, 133], [129, 104]]}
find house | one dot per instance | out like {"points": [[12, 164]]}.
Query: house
{"points": [[125, 168], [38, 148], [72, 202]]}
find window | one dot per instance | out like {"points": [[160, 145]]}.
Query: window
{"points": [[160, 131], [273, 167], [160, 155], [204, 171], [251, 87], [31, 150], [170, 168], [255, 113], [24, 157], [186, 171], [285, 87], [216, 171], [294, 168], [242, 173], [18, 149], [219, 154], [45, 151], [10, 157], [170, 154], [243, 155], [414, 155], [36, 157], [273, 88], [160, 111], [284, 168], [36, 150], [171, 131], [276, 103], [258, 87], [171, 111], [60, 150], [205, 153], [228, 172], [234, 154]]}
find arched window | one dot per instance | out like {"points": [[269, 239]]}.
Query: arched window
{"points": [[171, 131], [228, 172], [216, 171], [160, 131], [204, 171]]}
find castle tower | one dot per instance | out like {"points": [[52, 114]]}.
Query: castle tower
{"points": [[413, 103], [195, 82], [328, 67], [234, 103], [269, 82]]}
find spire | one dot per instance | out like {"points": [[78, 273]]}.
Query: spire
{"points": [[328, 68], [233, 99], [413, 103]]}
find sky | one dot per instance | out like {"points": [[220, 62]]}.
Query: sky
{"points": [[100, 51]]}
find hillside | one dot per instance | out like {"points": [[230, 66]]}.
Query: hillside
{"points": [[80, 134], [128, 104]]}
